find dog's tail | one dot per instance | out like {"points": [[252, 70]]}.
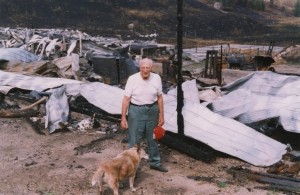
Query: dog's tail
{"points": [[98, 176]]}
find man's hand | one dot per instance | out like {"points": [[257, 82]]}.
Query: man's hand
{"points": [[161, 120], [124, 124], [125, 104]]}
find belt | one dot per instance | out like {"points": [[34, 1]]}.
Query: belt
{"points": [[144, 105]]}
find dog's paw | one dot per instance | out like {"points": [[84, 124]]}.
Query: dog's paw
{"points": [[133, 189]]}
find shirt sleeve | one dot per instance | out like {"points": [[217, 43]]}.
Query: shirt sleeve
{"points": [[159, 90], [128, 87]]}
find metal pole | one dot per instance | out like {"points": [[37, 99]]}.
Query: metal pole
{"points": [[180, 122]]}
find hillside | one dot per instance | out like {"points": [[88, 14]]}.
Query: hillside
{"points": [[201, 19]]}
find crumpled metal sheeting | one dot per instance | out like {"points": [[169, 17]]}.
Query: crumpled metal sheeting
{"points": [[239, 102], [30, 82], [106, 97], [57, 110], [57, 107], [190, 91], [32, 68], [17, 54], [103, 96], [249, 108], [5, 89], [266, 83], [236, 84], [68, 66], [223, 134], [248, 103]]}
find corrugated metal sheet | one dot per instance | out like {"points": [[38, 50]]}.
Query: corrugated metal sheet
{"points": [[10, 80], [262, 95], [17, 54], [221, 133]]}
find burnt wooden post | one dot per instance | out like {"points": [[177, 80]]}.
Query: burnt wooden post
{"points": [[206, 65], [118, 70], [179, 141], [180, 122], [211, 64], [219, 73]]}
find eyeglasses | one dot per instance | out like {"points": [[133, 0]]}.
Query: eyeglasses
{"points": [[145, 68]]}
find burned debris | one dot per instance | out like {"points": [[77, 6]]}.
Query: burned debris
{"points": [[250, 58], [275, 182], [74, 72]]}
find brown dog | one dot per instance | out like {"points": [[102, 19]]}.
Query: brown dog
{"points": [[122, 166]]}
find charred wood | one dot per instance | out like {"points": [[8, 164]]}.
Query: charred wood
{"points": [[81, 105], [189, 146], [280, 182], [279, 177], [35, 103], [24, 112], [17, 113], [22, 96], [281, 188]]}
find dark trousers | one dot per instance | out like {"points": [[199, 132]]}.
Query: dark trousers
{"points": [[141, 122]]}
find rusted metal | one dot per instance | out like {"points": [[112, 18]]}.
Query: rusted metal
{"points": [[258, 62], [263, 62]]}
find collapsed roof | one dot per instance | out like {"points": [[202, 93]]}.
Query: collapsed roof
{"points": [[221, 133], [216, 127]]}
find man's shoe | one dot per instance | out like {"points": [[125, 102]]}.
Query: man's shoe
{"points": [[159, 168]]}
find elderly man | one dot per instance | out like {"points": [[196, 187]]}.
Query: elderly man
{"points": [[144, 102]]}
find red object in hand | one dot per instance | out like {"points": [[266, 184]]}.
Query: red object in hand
{"points": [[158, 132]]}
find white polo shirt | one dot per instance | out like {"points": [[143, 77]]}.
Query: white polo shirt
{"points": [[143, 91]]}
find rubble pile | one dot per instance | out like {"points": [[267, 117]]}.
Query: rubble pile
{"points": [[73, 71]]}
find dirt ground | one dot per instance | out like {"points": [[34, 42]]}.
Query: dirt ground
{"points": [[36, 162]]}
